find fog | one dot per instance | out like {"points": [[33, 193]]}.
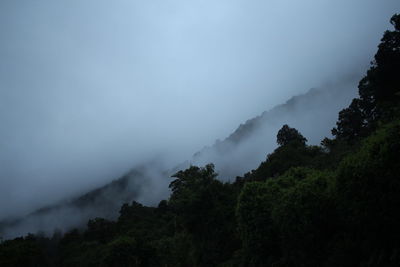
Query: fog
{"points": [[145, 184], [314, 114], [91, 89]]}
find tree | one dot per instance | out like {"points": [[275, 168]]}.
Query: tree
{"points": [[368, 186], [22, 251], [351, 121], [379, 90], [287, 135], [100, 229], [287, 221], [122, 251], [205, 209], [306, 218], [387, 63], [258, 231]]}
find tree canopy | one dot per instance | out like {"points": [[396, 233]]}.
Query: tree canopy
{"points": [[287, 135], [335, 205]]}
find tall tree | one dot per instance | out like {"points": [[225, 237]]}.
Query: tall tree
{"points": [[288, 135], [379, 90]]}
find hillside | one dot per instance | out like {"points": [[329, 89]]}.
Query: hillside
{"points": [[313, 113], [250, 141], [333, 204]]}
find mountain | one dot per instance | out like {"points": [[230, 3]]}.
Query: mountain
{"points": [[104, 202], [313, 113], [331, 205]]}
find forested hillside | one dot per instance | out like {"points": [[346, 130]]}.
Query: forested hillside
{"points": [[235, 155], [337, 204], [247, 146]]}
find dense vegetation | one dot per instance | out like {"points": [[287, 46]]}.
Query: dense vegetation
{"points": [[337, 204]]}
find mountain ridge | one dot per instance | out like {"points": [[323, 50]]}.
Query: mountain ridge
{"points": [[105, 201]]}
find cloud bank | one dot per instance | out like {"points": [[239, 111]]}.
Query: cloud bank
{"points": [[90, 89]]}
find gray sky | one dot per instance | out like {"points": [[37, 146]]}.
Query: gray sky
{"points": [[88, 89]]}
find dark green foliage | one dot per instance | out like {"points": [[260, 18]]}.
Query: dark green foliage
{"points": [[335, 205], [257, 229], [122, 252], [100, 229], [387, 63], [306, 217], [22, 252], [351, 123], [205, 206], [368, 187], [320, 218], [176, 250], [287, 135], [287, 220], [379, 91], [284, 158], [293, 152]]}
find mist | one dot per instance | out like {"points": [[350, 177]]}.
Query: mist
{"points": [[240, 152], [313, 113], [90, 90]]}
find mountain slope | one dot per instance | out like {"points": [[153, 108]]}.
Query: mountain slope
{"points": [[313, 113]]}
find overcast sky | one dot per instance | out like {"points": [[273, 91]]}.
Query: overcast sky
{"points": [[88, 89]]}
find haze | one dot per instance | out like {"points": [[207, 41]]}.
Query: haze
{"points": [[90, 89]]}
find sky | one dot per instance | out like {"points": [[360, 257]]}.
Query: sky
{"points": [[89, 89]]}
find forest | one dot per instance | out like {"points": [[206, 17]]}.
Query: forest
{"points": [[337, 204]]}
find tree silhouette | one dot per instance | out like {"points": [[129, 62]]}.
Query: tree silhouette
{"points": [[288, 135]]}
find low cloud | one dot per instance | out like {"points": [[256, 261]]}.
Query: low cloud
{"points": [[90, 90]]}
